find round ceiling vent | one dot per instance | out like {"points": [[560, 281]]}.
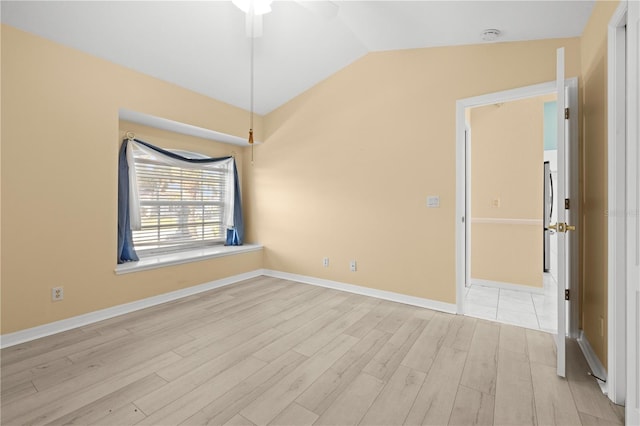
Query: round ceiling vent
{"points": [[490, 34]]}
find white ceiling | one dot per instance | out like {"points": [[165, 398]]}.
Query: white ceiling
{"points": [[202, 45]]}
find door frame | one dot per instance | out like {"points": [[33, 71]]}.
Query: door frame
{"points": [[467, 196], [615, 386], [632, 405], [463, 224]]}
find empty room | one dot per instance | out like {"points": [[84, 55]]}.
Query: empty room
{"points": [[257, 212]]}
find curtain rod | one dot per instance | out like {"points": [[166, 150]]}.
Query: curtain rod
{"points": [[131, 137]]}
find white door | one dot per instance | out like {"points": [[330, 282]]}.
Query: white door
{"points": [[632, 414], [561, 226]]}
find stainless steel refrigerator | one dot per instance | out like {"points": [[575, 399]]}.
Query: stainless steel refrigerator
{"points": [[548, 212]]}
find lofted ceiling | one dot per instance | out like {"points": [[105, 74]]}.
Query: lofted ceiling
{"points": [[202, 45]]}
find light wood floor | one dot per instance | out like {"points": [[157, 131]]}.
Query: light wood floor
{"points": [[270, 351]]}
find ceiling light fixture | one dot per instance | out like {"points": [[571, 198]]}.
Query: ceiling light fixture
{"points": [[256, 7], [490, 34]]}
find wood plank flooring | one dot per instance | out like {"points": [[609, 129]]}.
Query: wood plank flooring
{"points": [[271, 351]]}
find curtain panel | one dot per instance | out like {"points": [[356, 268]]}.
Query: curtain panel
{"points": [[129, 204]]}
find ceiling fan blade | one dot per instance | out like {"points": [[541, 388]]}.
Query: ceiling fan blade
{"points": [[326, 9]]}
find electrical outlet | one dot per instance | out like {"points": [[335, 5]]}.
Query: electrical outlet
{"points": [[325, 262], [495, 203], [57, 293], [353, 266]]}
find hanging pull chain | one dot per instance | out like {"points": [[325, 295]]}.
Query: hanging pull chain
{"points": [[253, 16], [251, 143]]}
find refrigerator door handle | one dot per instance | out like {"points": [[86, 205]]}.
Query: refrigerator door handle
{"points": [[551, 183]]}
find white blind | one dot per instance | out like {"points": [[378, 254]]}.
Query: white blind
{"points": [[181, 206]]}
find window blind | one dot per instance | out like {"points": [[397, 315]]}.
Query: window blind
{"points": [[180, 207]]}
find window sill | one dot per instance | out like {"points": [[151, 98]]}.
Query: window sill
{"points": [[163, 260]]}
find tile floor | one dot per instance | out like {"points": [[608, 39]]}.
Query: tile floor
{"points": [[531, 310]]}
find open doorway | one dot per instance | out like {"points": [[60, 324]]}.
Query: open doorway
{"points": [[512, 164], [568, 163]]}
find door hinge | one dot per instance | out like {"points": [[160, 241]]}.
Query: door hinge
{"points": [[566, 113], [566, 294], [567, 204]]}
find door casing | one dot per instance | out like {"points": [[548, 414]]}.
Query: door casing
{"points": [[463, 225], [616, 219]]}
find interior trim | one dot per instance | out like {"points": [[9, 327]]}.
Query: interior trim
{"points": [[11, 339], [616, 204], [178, 127], [366, 291], [178, 258], [22, 336], [594, 362]]}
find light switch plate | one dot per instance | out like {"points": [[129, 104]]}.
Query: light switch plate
{"points": [[433, 201]]}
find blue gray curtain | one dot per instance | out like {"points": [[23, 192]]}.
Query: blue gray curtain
{"points": [[126, 251]]}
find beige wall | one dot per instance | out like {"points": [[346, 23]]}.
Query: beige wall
{"points": [[60, 138], [344, 172], [346, 167], [594, 177], [506, 165]]}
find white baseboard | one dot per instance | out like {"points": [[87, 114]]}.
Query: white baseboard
{"points": [[11, 339], [594, 362], [22, 336], [366, 291], [507, 286]]}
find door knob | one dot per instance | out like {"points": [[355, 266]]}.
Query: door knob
{"points": [[562, 227]]}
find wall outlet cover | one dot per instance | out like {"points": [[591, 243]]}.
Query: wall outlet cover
{"points": [[433, 201], [57, 293]]}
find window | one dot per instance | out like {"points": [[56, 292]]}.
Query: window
{"points": [[177, 204]]}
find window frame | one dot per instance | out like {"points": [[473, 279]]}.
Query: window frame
{"points": [[167, 248]]}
